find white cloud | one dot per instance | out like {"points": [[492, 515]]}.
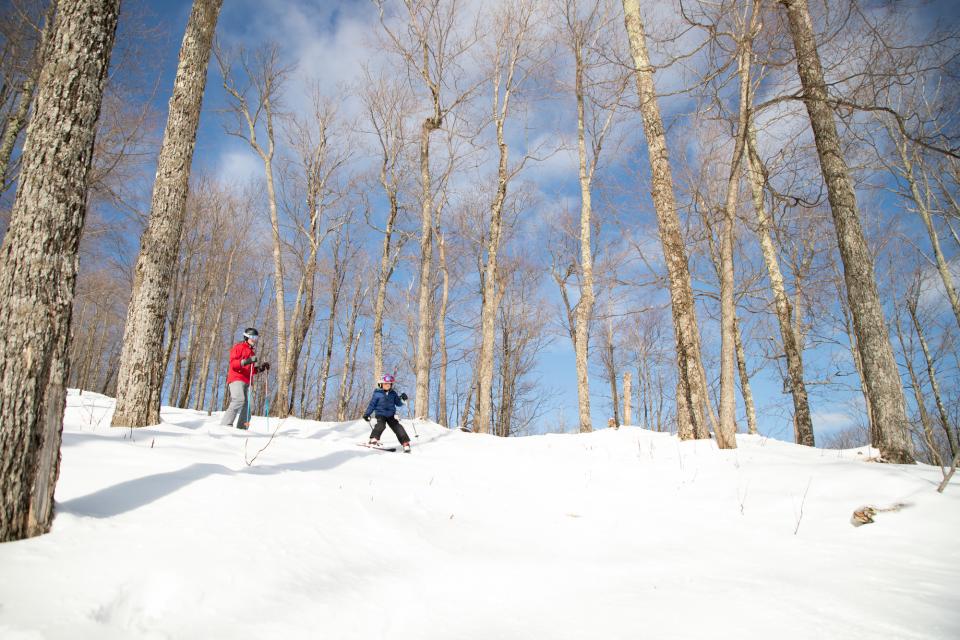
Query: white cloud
{"points": [[831, 420], [238, 166]]}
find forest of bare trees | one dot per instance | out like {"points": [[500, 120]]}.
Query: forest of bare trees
{"points": [[702, 217]]}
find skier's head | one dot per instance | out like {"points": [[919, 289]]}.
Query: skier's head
{"points": [[386, 381], [251, 335]]}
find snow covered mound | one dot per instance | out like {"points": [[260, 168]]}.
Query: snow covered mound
{"points": [[192, 530]]}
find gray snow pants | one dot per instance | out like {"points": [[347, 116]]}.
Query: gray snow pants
{"points": [[238, 404]]}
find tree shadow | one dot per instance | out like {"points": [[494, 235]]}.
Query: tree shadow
{"points": [[133, 494]]}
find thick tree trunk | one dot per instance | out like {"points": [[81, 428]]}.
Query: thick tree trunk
{"points": [[803, 425], [424, 353], [691, 383], [881, 377], [160, 245], [38, 262]]}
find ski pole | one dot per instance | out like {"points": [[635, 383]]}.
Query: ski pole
{"points": [[253, 372]]}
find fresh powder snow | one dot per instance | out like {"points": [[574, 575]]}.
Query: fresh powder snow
{"points": [[290, 530]]}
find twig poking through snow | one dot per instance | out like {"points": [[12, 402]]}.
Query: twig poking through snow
{"points": [[949, 474], [802, 502], [251, 460]]}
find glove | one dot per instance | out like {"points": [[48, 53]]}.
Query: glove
{"points": [[264, 367], [366, 418], [249, 360], [403, 397]]}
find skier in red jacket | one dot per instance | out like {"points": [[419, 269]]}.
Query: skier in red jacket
{"points": [[243, 366]]}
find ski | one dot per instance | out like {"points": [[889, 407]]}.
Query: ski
{"points": [[377, 447]]}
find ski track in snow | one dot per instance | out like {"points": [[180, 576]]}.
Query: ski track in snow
{"points": [[168, 532]]}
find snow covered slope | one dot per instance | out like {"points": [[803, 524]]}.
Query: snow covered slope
{"points": [[168, 532]]}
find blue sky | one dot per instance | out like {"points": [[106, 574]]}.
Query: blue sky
{"points": [[328, 41]]}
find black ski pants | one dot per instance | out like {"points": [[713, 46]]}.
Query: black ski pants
{"points": [[398, 430]]}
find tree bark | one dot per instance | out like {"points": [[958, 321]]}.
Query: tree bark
{"points": [[627, 400], [925, 421], [348, 350], [943, 266], [932, 376], [424, 353], [160, 245], [442, 333], [583, 312], [691, 383], [38, 262], [881, 377], [745, 389], [336, 287], [18, 120], [387, 263], [803, 424]]}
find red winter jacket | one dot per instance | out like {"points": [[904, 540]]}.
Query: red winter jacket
{"points": [[240, 372]]}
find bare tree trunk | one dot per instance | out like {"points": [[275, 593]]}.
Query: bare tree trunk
{"points": [[612, 374], [387, 263], [583, 312], [627, 399], [268, 78], [691, 383], [508, 54], [147, 312], [336, 286], [424, 354], [38, 262], [442, 416], [745, 389], [925, 421], [489, 298], [881, 377], [932, 375], [803, 424], [215, 332], [943, 266], [346, 374], [726, 436], [18, 120]]}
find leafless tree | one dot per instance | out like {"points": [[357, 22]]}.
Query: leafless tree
{"points": [[139, 379], [692, 401], [39, 267]]}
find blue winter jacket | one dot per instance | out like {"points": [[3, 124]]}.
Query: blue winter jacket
{"points": [[383, 403]]}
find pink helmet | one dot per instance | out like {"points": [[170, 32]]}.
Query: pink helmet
{"points": [[387, 379]]}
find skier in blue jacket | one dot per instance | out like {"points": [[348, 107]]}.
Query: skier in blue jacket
{"points": [[383, 406]]}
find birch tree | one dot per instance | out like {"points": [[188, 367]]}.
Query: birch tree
{"points": [[692, 407], [387, 106], [880, 374], [514, 22], [253, 108], [432, 46]]}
